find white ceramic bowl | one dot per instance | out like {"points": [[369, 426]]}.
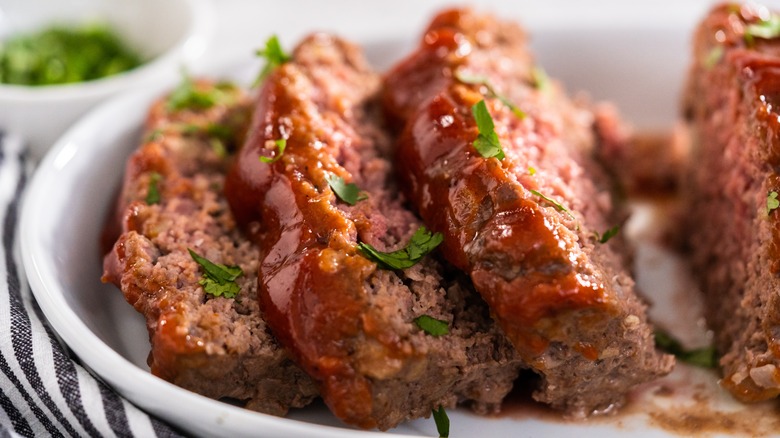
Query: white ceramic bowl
{"points": [[168, 34]]}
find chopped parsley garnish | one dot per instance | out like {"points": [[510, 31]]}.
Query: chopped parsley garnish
{"points": [[701, 357], [432, 326], [470, 79], [764, 29], [442, 422], [714, 57], [187, 95], [610, 233], [419, 246], [540, 79], [153, 192], [487, 143], [274, 56], [531, 171], [218, 280], [155, 135], [554, 203], [772, 202], [349, 193], [64, 54], [280, 145]]}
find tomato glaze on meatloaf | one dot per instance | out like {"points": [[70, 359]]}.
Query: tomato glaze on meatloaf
{"points": [[525, 227], [171, 202], [347, 321], [732, 224]]}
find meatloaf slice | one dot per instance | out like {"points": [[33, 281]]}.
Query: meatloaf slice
{"points": [[733, 225], [171, 201], [527, 227], [349, 323]]}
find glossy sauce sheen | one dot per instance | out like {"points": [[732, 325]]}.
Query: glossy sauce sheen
{"points": [[735, 104], [312, 278], [490, 221]]}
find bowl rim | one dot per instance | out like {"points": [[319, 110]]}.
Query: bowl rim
{"points": [[187, 48]]}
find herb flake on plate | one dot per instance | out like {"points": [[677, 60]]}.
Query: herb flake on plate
{"points": [[701, 357], [442, 422]]}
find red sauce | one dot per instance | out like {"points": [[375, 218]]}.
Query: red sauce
{"points": [[311, 276], [489, 220]]}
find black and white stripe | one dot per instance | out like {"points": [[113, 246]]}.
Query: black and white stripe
{"points": [[43, 392]]}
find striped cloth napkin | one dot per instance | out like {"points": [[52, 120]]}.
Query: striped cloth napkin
{"points": [[43, 389]]}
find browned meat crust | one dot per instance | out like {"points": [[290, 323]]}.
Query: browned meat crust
{"points": [[522, 227], [215, 346], [731, 105], [346, 322]]}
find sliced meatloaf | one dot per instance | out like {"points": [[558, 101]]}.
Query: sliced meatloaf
{"points": [[171, 202], [527, 227], [351, 322], [733, 224]]}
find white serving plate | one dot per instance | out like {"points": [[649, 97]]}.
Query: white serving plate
{"points": [[633, 55]]}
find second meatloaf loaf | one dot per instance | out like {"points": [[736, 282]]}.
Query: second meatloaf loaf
{"points": [[732, 106], [526, 219]]}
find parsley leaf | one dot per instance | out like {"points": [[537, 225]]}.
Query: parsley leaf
{"points": [[432, 326], [274, 56], [487, 142], [610, 233], [764, 29], [701, 357], [153, 192], [554, 203], [280, 144], [188, 95], [349, 193], [155, 135], [772, 202], [218, 280], [421, 244], [471, 79], [442, 422], [540, 79], [531, 171], [713, 57]]}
